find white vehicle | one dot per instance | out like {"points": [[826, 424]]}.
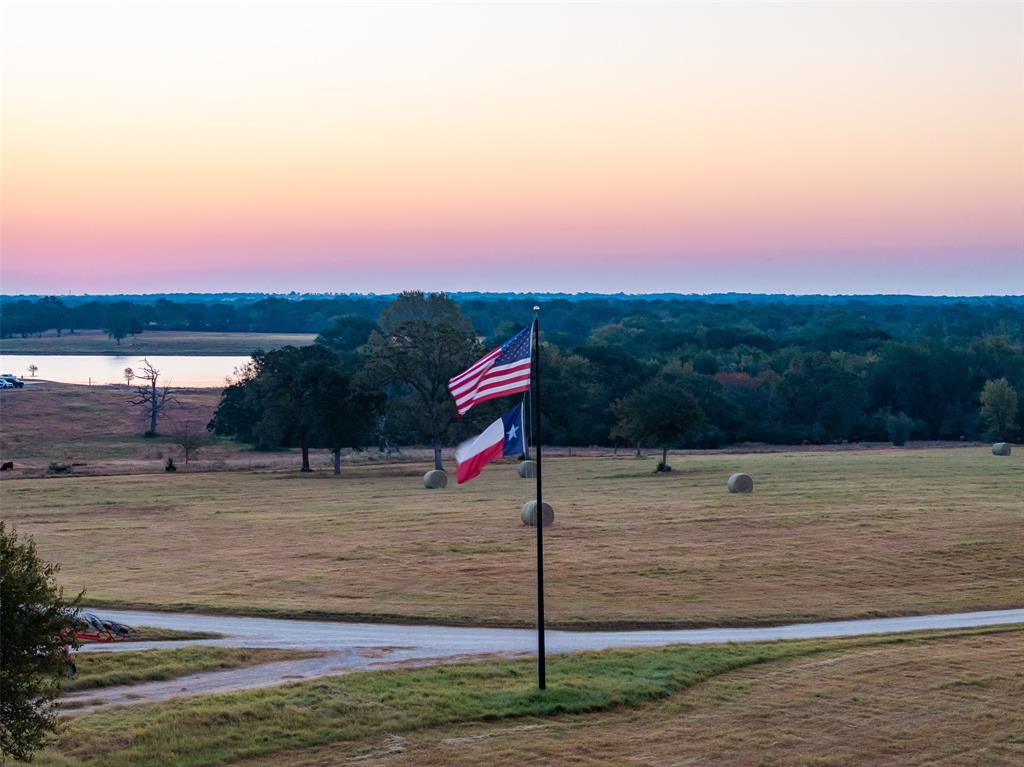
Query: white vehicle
{"points": [[5, 384]]}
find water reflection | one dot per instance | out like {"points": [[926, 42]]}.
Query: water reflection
{"points": [[187, 371]]}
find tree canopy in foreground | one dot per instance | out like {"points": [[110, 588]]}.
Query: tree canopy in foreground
{"points": [[38, 626]]}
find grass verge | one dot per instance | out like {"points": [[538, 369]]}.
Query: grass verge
{"points": [[224, 728], [156, 634], [134, 666]]}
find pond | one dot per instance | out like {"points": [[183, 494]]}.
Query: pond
{"points": [[186, 371]]}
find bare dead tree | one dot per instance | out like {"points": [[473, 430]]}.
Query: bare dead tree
{"points": [[150, 396], [191, 438]]}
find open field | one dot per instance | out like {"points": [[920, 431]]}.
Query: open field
{"points": [[96, 425], [763, 696], [153, 342], [824, 535], [94, 429], [105, 669]]}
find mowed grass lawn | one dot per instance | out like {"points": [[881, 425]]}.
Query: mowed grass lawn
{"points": [[824, 535]]}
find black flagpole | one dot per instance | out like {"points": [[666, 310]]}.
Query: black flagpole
{"points": [[539, 516]]}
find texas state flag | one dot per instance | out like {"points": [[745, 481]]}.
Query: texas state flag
{"points": [[503, 437]]}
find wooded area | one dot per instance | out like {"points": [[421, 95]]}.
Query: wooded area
{"points": [[787, 370]]}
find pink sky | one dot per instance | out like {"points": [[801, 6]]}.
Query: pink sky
{"points": [[158, 146]]}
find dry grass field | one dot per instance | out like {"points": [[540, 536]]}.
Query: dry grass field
{"points": [[95, 426], [94, 429], [153, 342], [824, 535], [956, 701]]}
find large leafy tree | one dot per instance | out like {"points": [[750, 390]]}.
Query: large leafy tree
{"points": [[345, 413], [296, 397], [423, 342], [38, 627], [120, 320], [662, 411]]}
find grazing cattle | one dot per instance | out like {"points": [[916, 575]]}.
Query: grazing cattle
{"points": [[7, 466]]}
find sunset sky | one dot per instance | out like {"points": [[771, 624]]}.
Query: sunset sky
{"points": [[275, 146]]}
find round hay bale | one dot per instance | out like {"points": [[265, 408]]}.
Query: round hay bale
{"points": [[435, 479], [1001, 448], [527, 469], [529, 514], [740, 483]]}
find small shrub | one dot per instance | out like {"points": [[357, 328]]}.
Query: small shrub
{"points": [[169, 466], [898, 427], [149, 434], [56, 467], [663, 467]]}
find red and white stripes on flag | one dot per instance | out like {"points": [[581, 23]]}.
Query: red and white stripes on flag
{"points": [[500, 372]]}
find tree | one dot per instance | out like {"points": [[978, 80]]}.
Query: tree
{"points": [[120, 319], [425, 341], [38, 626], [151, 397], [129, 374], [927, 380], [346, 415], [52, 313], [237, 415], [190, 438], [279, 396], [898, 426], [661, 411], [296, 397], [33, 369], [344, 335], [575, 402], [999, 407]]}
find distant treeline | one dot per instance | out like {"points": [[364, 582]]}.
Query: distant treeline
{"points": [[829, 323], [784, 371]]}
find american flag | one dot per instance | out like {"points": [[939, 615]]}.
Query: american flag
{"points": [[500, 372]]}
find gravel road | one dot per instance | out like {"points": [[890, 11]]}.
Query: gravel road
{"points": [[354, 646]]}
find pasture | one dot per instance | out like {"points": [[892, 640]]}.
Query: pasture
{"points": [[824, 535], [94, 426], [152, 342], [94, 430]]}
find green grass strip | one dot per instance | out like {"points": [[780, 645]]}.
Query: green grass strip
{"points": [[218, 729], [133, 666]]}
